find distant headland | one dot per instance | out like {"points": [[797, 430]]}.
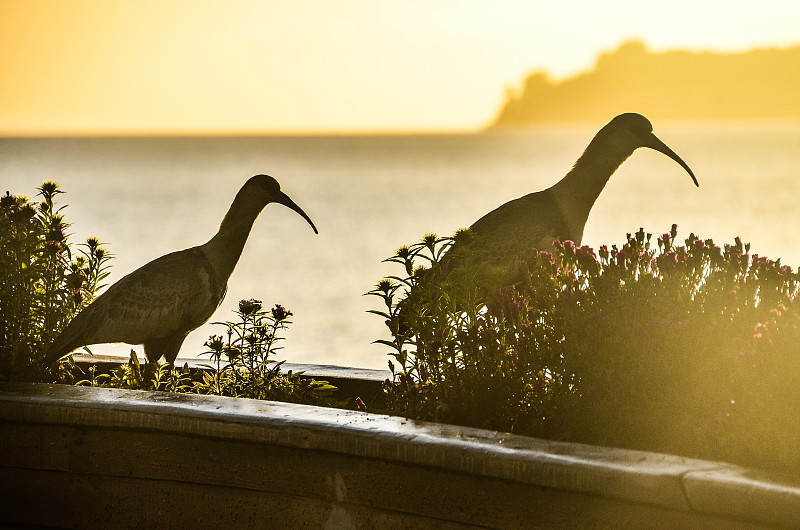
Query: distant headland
{"points": [[670, 85]]}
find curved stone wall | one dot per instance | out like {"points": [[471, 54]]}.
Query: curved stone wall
{"points": [[107, 458]]}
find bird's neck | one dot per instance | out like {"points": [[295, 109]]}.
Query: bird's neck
{"points": [[577, 192], [225, 248]]}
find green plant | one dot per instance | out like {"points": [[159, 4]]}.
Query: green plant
{"points": [[44, 281], [690, 349], [243, 364], [462, 360], [161, 377], [654, 345]]}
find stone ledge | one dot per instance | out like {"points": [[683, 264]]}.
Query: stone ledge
{"points": [[350, 382], [745, 494], [613, 481], [319, 371]]}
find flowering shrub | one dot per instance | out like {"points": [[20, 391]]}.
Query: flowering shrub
{"points": [[689, 349], [243, 364], [43, 281], [460, 360]]}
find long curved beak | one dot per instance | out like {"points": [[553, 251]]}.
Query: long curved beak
{"points": [[289, 203], [653, 142]]}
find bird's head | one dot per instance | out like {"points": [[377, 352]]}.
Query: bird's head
{"points": [[272, 191], [631, 131]]}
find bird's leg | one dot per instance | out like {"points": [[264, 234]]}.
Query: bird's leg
{"points": [[167, 346]]}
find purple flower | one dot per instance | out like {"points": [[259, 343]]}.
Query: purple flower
{"points": [[667, 262], [248, 307], [7, 201], [53, 247], [215, 343], [586, 257], [280, 313]]}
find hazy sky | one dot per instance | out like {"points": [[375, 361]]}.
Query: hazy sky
{"points": [[78, 66]]}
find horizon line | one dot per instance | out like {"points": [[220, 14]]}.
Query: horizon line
{"points": [[329, 132]]}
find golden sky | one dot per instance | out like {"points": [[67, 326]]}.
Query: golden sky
{"points": [[295, 66]]}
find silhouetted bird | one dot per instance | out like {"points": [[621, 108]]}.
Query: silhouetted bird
{"points": [[158, 304], [560, 211]]}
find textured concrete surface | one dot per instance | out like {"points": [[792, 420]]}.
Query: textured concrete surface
{"points": [[101, 458]]}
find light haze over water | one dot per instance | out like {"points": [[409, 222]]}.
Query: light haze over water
{"points": [[368, 195]]}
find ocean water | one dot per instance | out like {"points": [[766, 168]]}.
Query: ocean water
{"points": [[369, 195]]}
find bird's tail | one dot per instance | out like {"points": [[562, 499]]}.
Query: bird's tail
{"points": [[67, 341]]}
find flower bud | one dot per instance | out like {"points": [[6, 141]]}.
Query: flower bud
{"points": [[214, 343], [248, 307], [280, 313]]}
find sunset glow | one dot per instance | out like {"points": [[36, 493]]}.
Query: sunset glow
{"points": [[307, 66]]}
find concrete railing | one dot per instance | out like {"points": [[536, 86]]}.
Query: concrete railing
{"points": [[350, 382], [106, 458]]}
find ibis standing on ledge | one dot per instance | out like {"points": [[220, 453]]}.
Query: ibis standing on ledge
{"points": [[560, 211], [158, 304]]}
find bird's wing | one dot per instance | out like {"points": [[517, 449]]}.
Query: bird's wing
{"points": [[531, 221], [173, 293]]}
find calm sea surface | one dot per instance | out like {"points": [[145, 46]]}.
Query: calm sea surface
{"points": [[370, 194]]}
